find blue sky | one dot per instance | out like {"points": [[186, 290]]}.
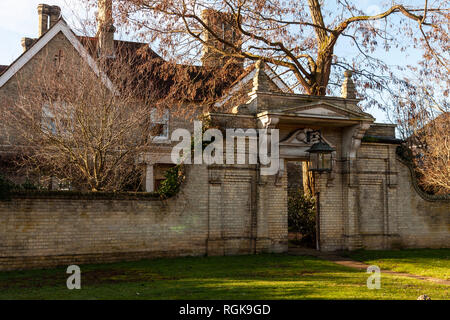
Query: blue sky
{"points": [[18, 18]]}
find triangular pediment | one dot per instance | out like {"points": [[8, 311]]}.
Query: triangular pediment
{"points": [[324, 110]]}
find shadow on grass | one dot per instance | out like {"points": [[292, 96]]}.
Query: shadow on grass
{"points": [[268, 276]]}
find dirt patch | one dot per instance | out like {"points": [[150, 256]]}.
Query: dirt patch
{"points": [[347, 262]]}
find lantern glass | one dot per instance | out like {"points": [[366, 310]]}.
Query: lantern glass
{"points": [[324, 162], [320, 161], [320, 156]]}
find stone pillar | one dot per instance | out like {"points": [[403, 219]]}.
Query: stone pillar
{"points": [[149, 178], [351, 141], [350, 187], [263, 241], [215, 244], [391, 227]]}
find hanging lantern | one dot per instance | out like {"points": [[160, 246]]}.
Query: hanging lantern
{"points": [[320, 156]]}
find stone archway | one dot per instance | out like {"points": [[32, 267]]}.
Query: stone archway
{"points": [[294, 148], [301, 206]]}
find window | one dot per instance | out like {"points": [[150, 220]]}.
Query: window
{"points": [[159, 125], [48, 120], [56, 119]]}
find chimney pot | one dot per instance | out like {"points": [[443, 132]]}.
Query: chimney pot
{"points": [[48, 16], [55, 14], [43, 14], [26, 43]]}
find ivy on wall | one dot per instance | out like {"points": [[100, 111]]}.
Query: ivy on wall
{"points": [[171, 185]]}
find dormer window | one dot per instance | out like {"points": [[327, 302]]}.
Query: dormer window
{"points": [[159, 125]]}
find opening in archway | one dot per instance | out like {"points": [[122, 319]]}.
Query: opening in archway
{"points": [[302, 224]]}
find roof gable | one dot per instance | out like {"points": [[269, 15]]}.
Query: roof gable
{"points": [[261, 77], [60, 26]]}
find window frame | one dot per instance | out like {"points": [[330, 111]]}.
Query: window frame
{"points": [[161, 120]]}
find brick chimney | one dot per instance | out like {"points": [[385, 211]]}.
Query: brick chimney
{"points": [[48, 16], [223, 25], [105, 29], [348, 89]]}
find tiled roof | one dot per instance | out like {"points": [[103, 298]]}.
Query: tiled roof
{"points": [[157, 78], [3, 68]]}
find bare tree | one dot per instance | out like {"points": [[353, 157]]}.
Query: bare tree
{"points": [[433, 155], [424, 124], [301, 41], [297, 38], [421, 112], [81, 128]]}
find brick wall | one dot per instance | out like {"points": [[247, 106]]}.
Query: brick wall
{"points": [[215, 213], [421, 220], [373, 202]]}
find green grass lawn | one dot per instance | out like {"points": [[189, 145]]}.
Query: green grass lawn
{"points": [[241, 277], [424, 262]]}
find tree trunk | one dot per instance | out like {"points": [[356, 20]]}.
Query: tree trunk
{"points": [[321, 75]]}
